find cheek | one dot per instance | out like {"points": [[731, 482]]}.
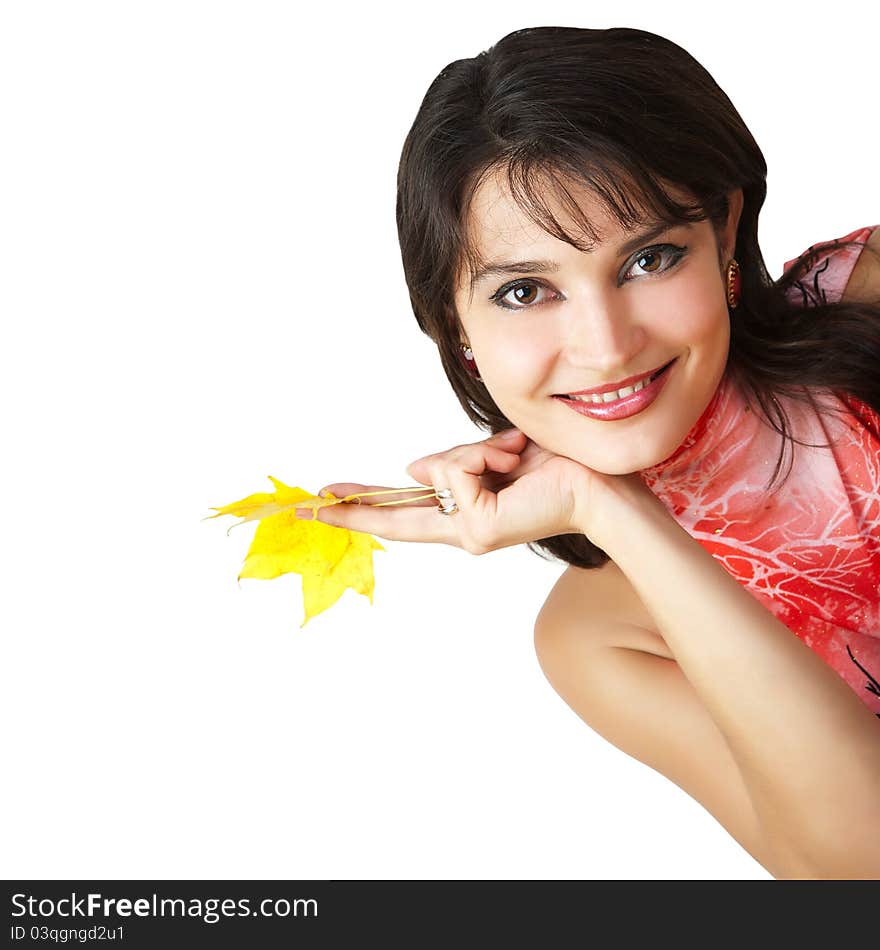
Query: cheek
{"points": [[696, 313], [513, 361]]}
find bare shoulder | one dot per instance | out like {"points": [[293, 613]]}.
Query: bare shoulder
{"points": [[863, 285], [598, 603], [600, 652]]}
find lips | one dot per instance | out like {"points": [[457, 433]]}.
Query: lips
{"points": [[620, 384], [626, 406]]}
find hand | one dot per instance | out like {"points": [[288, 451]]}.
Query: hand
{"points": [[508, 490]]}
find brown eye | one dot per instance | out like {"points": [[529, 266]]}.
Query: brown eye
{"points": [[527, 297], [520, 295], [655, 260], [650, 256]]}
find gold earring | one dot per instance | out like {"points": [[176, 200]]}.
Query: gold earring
{"points": [[734, 284]]}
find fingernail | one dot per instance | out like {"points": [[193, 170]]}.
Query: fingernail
{"points": [[303, 513], [507, 433]]}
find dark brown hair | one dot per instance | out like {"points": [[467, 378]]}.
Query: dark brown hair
{"points": [[624, 113]]}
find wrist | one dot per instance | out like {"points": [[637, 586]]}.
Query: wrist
{"points": [[615, 507]]}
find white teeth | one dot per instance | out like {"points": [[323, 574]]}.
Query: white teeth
{"points": [[616, 394]]}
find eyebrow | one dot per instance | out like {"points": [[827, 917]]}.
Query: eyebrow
{"points": [[498, 268]]}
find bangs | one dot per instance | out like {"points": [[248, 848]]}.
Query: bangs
{"points": [[628, 192]]}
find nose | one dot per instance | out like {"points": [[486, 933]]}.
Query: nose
{"points": [[601, 333]]}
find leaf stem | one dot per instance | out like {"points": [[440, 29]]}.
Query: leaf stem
{"points": [[403, 501], [390, 491]]}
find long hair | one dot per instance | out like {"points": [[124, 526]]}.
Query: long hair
{"points": [[622, 112]]}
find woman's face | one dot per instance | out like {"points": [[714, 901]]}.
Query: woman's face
{"points": [[628, 307]]}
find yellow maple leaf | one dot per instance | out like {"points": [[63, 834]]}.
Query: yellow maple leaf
{"points": [[329, 558]]}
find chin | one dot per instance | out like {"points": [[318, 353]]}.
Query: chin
{"points": [[624, 468], [628, 464]]}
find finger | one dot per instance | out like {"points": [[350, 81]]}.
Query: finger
{"points": [[465, 486], [396, 523], [490, 453], [462, 471], [509, 437], [461, 475], [343, 489]]}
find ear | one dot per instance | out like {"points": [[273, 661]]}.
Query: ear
{"points": [[728, 235]]}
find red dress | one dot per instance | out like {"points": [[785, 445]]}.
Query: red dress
{"points": [[810, 550]]}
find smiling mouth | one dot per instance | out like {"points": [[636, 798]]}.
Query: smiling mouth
{"points": [[616, 394]]}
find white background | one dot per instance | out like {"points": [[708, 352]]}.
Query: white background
{"points": [[202, 287]]}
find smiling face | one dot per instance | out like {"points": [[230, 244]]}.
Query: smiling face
{"points": [[560, 321]]}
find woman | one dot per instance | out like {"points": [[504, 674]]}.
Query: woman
{"points": [[577, 213]]}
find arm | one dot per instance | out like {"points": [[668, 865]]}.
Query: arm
{"points": [[766, 707], [806, 746]]}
